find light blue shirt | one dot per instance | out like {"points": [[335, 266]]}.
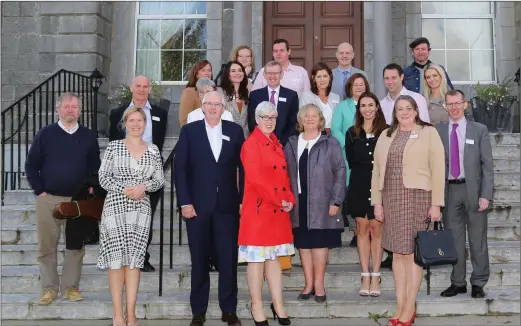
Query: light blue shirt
{"points": [[339, 85], [147, 135]]}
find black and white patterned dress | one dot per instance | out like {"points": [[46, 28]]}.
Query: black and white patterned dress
{"points": [[125, 223]]}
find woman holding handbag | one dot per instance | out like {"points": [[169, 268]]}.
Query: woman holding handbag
{"points": [[317, 172], [407, 190], [265, 226]]}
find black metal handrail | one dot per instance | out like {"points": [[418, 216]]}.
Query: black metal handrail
{"points": [[18, 129]]}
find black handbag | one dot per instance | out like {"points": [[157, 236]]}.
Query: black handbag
{"points": [[434, 248]]}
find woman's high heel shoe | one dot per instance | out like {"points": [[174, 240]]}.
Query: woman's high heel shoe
{"points": [[408, 323], [282, 321], [364, 292], [259, 323], [375, 293]]}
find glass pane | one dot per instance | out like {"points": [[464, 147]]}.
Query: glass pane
{"points": [[193, 8], [438, 57], [149, 8], [472, 7], [172, 34], [148, 34], [172, 8], [482, 65], [458, 65], [171, 65], [195, 34], [457, 33], [147, 63], [433, 30], [191, 58], [434, 7], [480, 31]]}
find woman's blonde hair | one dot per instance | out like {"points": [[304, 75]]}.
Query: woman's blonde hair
{"points": [[302, 112], [444, 87], [129, 111], [235, 54]]}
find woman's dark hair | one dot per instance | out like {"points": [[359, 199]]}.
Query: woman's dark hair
{"points": [[417, 120], [227, 84], [316, 68], [192, 80], [379, 124], [349, 85]]}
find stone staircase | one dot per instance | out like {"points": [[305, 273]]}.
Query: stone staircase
{"points": [[20, 284]]}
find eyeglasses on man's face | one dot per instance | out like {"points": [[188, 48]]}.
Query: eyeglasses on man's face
{"points": [[215, 104], [455, 104], [267, 118]]}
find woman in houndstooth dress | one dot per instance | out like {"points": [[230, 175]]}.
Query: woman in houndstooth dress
{"points": [[130, 169], [407, 192]]}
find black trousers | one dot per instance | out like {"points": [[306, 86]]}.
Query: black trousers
{"points": [[154, 200]]}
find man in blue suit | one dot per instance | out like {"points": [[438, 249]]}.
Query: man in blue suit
{"points": [[285, 99], [205, 173]]}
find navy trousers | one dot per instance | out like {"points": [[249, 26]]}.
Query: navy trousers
{"points": [[205, 232]]}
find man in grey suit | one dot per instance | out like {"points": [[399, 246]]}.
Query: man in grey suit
{"points": [[345, 55], [468, 192]]}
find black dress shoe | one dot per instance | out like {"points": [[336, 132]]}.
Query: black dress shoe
{"points": [[477, 292], [453, 290], [148, 268], [231, 318], [353, 242], [198, 320]]}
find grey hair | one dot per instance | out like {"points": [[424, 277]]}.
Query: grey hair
{"points": [[213, 93], [129, 111], [204, 83], [67, 96], [264, 108], [272, 63], [135, 77]]}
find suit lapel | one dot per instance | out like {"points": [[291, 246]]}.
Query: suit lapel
{"points": [[444, 134], [470, 133], [226, 146], [156, 125], [205, 140], [415, 134]]}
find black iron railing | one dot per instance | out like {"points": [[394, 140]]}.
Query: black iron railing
{"points": [[25, 117]]}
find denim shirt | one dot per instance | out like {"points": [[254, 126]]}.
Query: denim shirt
{"points": [[412, 78]]}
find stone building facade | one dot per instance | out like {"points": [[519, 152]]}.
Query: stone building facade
{"points": [[39, 38]]}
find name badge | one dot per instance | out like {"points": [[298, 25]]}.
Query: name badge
{"points": [[282, 99], [295, 80], [156, 118], [226, 138], [334, 101], [413, 136], [469, 141]]}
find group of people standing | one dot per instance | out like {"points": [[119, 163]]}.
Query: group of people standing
{"points": [[270, 162]]}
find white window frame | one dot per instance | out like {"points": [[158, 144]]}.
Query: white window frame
{"points": [[490, 16], [139, 17]]}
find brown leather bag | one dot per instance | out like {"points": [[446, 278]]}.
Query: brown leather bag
{"points": [[92, 207], [285, 263]]}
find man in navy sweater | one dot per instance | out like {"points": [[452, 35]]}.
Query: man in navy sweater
{"points": [[61, 157]]}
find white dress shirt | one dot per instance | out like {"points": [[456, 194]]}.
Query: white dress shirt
{"points": [[147, 134], [302, 145], [461, 132], [69, 131], [198, 114], [387, 104], [276, 95], [215, 137]]}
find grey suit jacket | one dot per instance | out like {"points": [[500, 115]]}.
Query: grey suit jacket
{"points": [[477, 161], [338, 81]]}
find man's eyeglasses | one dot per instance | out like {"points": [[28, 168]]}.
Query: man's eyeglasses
{"points": [[456, 104], [216, 104], [272, 73], [266, 118]]}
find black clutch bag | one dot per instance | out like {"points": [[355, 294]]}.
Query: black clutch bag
{"points": [[434, 248]]}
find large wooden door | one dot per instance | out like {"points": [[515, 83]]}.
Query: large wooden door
{"points": [[314, 30]]}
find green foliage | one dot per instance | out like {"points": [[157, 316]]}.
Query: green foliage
{"points": [[493, 94], [376, 316]]}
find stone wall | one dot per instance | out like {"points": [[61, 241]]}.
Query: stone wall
{"points": [[400, 48], [517, 10]]}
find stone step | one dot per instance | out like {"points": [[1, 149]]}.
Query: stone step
{"points": [[503, 252], [25, 279], [175, 305]]}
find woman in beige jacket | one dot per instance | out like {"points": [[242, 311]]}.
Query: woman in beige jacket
{"points": [[407, 190]]}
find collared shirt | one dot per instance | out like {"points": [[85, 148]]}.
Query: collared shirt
{"points": [[387, 104], [461, 132], [295, 78], [215, 137], [147, 134], [276, 95], [198, 114], [69, 131], [302, 145]]}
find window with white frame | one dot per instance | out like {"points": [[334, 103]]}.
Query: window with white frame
{"points": [[461, 35], [170, 39]]}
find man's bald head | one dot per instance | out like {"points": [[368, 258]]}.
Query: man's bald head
{"points": [[345, 54]]}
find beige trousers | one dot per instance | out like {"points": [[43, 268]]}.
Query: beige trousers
{"points": [[49, 231]]}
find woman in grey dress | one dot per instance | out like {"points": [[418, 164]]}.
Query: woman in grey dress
{"points": [[131, 168]]}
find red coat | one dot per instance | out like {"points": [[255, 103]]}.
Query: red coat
{"points": [[266, 185]]}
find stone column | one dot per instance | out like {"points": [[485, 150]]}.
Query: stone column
{"points": [[382, 43], [241, 23]]}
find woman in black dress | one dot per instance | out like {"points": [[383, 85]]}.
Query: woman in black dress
{"points": [[360, 143]]}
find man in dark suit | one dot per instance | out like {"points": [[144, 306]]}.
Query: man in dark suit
{"points": [[285, 99], [205, 174], [154, 132], [468, 192]]}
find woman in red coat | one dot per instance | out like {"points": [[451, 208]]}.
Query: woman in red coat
{"points": [[265, 227]]}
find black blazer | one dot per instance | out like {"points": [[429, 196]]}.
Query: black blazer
{"points": [[287, 111], [200, 180], [158, 127]]}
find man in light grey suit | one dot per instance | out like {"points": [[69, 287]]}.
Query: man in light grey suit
{"points": [[468, 192], [345, 55]]}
